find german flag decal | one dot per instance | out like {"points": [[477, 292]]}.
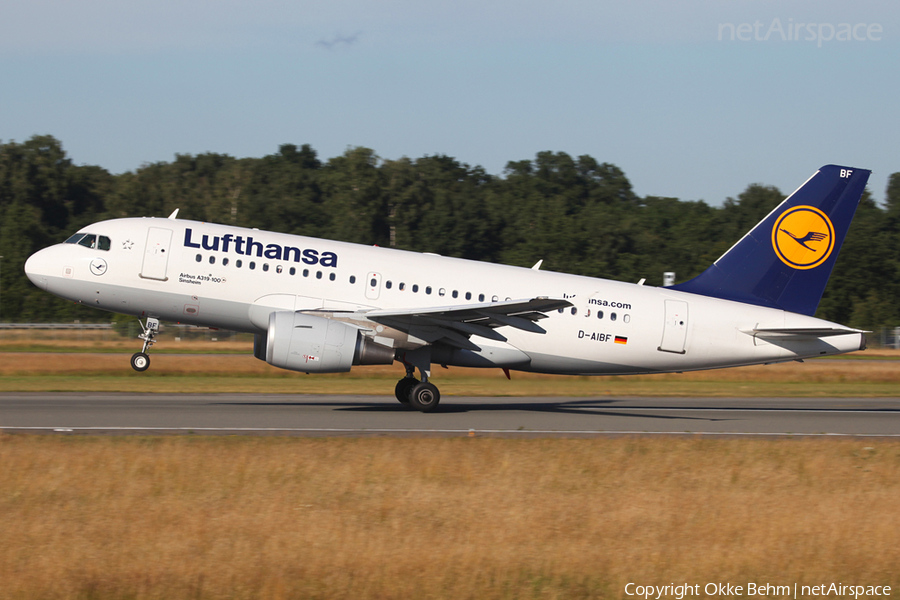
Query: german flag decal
{"points": [[621, 340]]}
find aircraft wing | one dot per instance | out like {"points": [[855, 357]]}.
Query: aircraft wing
{"points": [[454, 324]]}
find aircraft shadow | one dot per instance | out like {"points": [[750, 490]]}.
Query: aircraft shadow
{"points": [[584, 408]]}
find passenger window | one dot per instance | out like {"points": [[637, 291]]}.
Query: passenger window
{"points": [[265, 266], [599, 314], [494, 298], [318, 274], [331, 277], [627, 318], [415, 288], [293, 271], [353, 279], [279, 269], [612, 316], [104, 243], [224, 262], [481, 297], [372, 282], [252, 265], [387, 284], [306, 272], [468, 295], [428, 290], [199, 258], [239, 263], [455, 294], [402, 286], [212, 260], [574, 311], [442, 292]]}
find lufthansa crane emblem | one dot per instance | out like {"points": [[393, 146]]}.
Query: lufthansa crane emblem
{"points": [[803, 237], [98, 266]]}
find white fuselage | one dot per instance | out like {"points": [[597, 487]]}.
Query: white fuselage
{"points": [[188, 272]]}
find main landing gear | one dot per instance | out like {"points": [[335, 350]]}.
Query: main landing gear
{"points": [[140, 361], [421, 395]]}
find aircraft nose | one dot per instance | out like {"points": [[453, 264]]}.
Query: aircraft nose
{"points": [[37, 268]]}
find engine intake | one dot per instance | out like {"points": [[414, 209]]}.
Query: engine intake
{"points": [[301, 342]]}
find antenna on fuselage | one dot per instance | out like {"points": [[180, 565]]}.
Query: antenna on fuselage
{"points": [[174, 214], [537, 265]]}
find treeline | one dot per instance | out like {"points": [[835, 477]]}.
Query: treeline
{"points": [[577, 214]]}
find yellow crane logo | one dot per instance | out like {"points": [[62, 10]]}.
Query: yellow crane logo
{"points": [[803, 237]]}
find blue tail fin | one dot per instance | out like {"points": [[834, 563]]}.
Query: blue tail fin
{"points": [[785, 261]]}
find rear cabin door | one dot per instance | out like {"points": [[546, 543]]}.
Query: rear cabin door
{"points": [[675, 327], [156, 253]]}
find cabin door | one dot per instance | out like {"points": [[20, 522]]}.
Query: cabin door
{"points": [[675, 327], [156, 253]]}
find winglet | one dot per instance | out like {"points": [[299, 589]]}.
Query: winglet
{"points": [[537, 265], [174, 214], [785, 261]]}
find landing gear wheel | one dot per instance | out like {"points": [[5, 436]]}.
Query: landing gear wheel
{"points": [[404, 387], [140, 361], [424, 397]]}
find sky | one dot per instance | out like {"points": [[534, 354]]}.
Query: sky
{"points": [[694, 99]]}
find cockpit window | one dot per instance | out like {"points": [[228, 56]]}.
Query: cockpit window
{"points": [[89, 240]]}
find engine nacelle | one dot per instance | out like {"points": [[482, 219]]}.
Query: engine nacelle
{"points": [[301, 342]]}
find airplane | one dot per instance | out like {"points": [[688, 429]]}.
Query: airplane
{"points": [[321, 306]]}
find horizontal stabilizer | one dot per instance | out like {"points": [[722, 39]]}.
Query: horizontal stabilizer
{"points": [[801, 332]]}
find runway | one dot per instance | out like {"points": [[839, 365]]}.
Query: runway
{"points": [[318, 415]]}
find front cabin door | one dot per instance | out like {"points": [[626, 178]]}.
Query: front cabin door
{"points": [[156, 253]]}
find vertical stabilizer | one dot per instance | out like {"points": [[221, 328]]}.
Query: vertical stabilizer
{"points": [[786, 260]]}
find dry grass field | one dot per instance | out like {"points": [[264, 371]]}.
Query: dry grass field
{"points": [[194, 340], [273, 518], [51, 371], [133, 518]]}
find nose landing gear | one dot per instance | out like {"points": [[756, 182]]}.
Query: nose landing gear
{"points": [[140, 361]]}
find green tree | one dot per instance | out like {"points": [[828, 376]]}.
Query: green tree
{"points": [[577, 214], [283, 193], [353, 186]]}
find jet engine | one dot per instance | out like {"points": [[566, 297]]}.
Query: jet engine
{"points": [[311, 344]]}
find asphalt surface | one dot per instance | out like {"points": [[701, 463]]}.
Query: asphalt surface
{"points": [[253, 414]]}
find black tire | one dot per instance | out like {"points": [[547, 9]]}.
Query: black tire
{"points": [[140, 361], [404, 387], [424, 397]]}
